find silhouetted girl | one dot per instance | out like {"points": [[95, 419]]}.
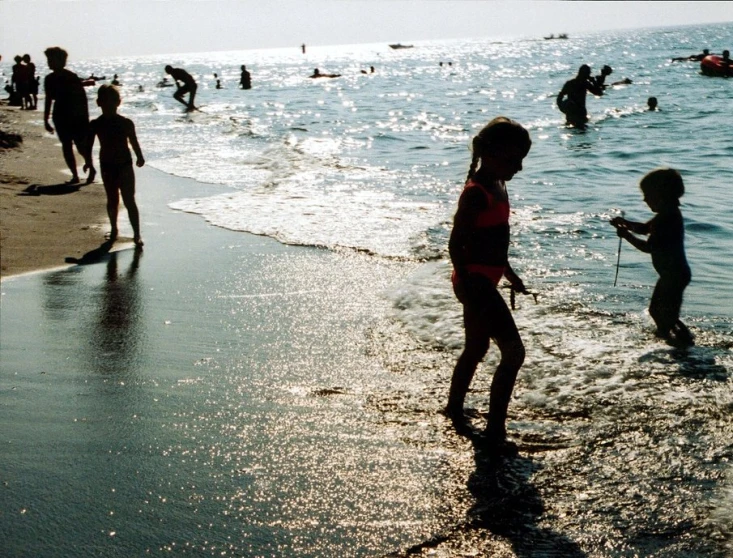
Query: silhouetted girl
{"points": [[478, 246]]}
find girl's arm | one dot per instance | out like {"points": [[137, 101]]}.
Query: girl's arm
{"points": [[513, 278], [136, 146]]}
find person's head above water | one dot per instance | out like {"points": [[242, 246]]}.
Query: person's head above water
{"points": [[584, 71], [606, 70], [652, 103], [662, 188], [501, 144]]}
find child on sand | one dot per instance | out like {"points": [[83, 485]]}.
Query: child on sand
{"points": [[478, 247], [115, 161], [662, 189]]}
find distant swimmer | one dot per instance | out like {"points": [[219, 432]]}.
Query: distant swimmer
{"points": [[116, 81], [571, 99], [185, 84], [302, 47], [245, 79], [651, 103], [662, 190], [371, 70], [625, 81], [601, 78], [693, 57], [218, 84], [164, 83], [317, 74]]}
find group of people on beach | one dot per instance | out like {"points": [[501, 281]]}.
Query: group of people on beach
{"points": [[66, 107], [479, 241], [23, 86]]}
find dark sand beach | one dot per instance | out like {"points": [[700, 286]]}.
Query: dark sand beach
{"points": [[40, 221]]}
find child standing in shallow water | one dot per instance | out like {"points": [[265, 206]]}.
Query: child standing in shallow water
{"points": [[115, 161], [662, 189], [479, 245]]}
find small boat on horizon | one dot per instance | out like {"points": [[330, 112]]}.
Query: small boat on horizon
{"points": [[398, 46], [560, 36]]}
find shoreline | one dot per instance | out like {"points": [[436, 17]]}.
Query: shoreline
{"points": [[42, 220]]}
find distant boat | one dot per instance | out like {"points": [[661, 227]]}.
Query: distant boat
{"points": [[560, 36], [398, 46]]}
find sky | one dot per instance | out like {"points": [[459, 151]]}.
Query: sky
{"points": [[101, 28]]}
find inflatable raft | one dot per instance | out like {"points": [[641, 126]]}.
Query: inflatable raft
{"points": [[714, 65]]}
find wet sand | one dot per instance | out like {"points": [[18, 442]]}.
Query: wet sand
{"points": [[43, 220]]}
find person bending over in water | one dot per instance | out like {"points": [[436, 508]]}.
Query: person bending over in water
{"points": [[662, 189], [115, 132], [478, 247], [65, 93], [571, 99], [185, 84]]}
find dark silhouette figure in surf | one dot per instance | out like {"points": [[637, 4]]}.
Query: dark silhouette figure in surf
{"points": [[652, 103], [478, 247], [245, 79], [571, 99], [185, 84], [692, 57], [317, 74], [115, 132], [662, 189], [65, 94]]}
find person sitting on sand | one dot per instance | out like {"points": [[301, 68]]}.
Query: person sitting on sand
{"points": [[571, 99], [662, 189], [478, 248], [317, 74], [115, 132], [245, 79], [65, 93], [185, 84]]}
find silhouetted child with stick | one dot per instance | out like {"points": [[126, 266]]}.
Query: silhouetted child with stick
{"points": [[662, 189], [115, 132], [479, 245]]}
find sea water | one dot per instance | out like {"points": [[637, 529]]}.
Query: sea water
{"points": [[375, 162]]}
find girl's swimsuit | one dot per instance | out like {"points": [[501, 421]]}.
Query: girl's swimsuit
{"points": [[487, 247]]}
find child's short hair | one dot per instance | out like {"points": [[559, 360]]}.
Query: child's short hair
{"points": [[57, 53], [666, 183], [108, 94]]}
